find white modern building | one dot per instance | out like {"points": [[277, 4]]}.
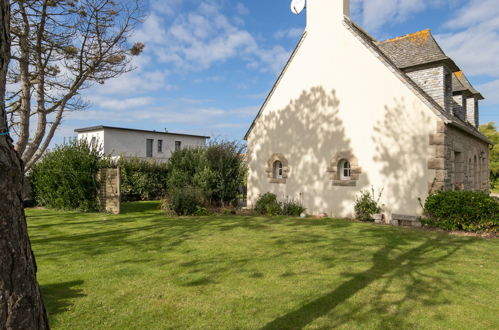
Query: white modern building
{"points": [[136, 143]]}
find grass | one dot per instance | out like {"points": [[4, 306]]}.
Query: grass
{"points": [[143, 270]]}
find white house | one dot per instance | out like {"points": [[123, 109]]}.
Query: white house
{"points": [[137, 143], [349, 112]]}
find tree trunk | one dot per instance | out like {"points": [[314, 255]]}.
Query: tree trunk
{"points": [[21, 304]]}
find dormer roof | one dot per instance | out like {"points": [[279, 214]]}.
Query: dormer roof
{"points": [[415, 49], [460, 84]]}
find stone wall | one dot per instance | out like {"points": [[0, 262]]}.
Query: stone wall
{"points": [[461, 161], [109, 191], [472, 110], [459, 106], [432, 81]]}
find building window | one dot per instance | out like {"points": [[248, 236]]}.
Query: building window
{"points": [[160, 145], [277, 170], [149, 144], [178, 145], [345, 170]]}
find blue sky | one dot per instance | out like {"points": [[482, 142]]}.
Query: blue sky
{"points": [[208, 65]]}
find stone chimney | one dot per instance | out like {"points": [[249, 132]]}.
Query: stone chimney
{"points": [[324, 15]]}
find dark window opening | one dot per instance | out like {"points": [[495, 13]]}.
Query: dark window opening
{"points": [[149, 145]]}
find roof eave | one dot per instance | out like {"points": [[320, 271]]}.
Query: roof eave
{"points": [[446, 61]]}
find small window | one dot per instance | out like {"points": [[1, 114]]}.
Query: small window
{"points": [[93, 142], [345, 170], [178, 145], [160, 145], [149, 145], [277, 170]]}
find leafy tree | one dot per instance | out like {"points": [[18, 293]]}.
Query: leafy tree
{"points": [[490, 131], [21, 304], [60, 48]]}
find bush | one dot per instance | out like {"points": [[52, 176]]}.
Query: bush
{"points": [[185, 201], [216, 171], [65, 177], [292, 208], [367, 204], [462, 210], [142, 179], [268, 204]]}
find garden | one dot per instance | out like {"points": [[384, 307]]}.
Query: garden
{"points": [[141, 269], [194, 260]]}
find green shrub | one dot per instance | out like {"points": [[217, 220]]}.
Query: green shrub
{"points": [[462, 210], [65, 178], [268, 204], [217, 171], [142, 179], [185, 201], [367, 204], [292, 208]]}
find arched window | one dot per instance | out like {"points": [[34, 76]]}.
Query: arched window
{"points": [[277, 169], [345, 170]]}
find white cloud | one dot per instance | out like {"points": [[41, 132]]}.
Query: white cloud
{"points": [[166, 7], [476, 12], [374, 14], [292, 33], [490, 91], [197, 39], [241, 9], [473, 40], [134, 82], [121, 104]]}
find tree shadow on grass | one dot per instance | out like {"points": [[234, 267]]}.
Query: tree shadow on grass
{"points": [[415, 267], [58, 297]]}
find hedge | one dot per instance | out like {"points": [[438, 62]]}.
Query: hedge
{"points": [[462, 210]]}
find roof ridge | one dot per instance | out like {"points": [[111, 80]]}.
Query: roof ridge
{"points": [[418, 35]]}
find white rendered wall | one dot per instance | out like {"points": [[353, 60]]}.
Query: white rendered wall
{"points": [[335, 96], [125, 143]]}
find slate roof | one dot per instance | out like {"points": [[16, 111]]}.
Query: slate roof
{"points": [[412, 49], [457, 85], [403, 52], [461, 83], [421, 48], [448, 118]]}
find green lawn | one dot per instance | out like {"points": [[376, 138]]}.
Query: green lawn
{"points": [[141, 270]]}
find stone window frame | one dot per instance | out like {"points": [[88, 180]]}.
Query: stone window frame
{"points": [[336, 166], [270, 168]]}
